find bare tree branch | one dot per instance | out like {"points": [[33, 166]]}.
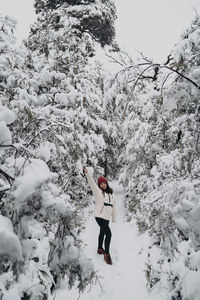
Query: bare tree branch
{"points": [[164, 81], [2, 192], [183, 76], [7, 176], [139, 77], [114, 60]]}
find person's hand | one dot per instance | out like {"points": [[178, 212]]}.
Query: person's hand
{"points": [[85, 170]]}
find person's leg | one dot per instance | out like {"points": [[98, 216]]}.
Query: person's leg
{"points": [[105, 230], [101, 233], [108, 237]]}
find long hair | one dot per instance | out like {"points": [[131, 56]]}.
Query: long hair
{"points": [[108, 189]]}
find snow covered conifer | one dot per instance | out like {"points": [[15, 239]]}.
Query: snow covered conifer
{"points": [[57, 103], [95, 17], [162, 162], [69, 84]]}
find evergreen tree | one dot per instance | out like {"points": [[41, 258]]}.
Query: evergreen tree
{"points": [[94, 17], [161, 161], [55, 115]]}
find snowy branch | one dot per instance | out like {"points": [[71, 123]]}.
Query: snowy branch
{"points": [[7, 176], [183, 76]]}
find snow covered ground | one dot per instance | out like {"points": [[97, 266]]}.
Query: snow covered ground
{"points": [[125, 279]]}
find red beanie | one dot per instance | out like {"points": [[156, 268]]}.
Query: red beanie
{"points": [[102, 179]]}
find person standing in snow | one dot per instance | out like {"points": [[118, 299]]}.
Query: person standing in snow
{"points": [[105, 210]]}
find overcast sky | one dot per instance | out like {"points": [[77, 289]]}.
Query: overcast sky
{"points": [[150, 26], [153, 26]]}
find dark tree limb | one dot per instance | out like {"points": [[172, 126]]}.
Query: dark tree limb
{"points": [[7, 176], [5, 146], [183, 76], [2, 192]]}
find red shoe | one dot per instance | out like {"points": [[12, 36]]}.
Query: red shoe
{"points": [[100, 251], [107, 259]]}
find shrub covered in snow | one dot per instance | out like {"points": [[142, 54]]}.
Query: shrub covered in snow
{"points": [[161, 165], [50, 126], [10, 247]]}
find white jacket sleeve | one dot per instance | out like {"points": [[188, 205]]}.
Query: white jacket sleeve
{"points": [[92, 183], [114, 212]]}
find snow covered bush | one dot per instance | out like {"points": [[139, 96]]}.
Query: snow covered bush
{"points": [[161, 164], [10, 247], [51, 125]]}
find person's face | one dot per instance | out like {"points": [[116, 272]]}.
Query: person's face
{"points": [[103, 185]]}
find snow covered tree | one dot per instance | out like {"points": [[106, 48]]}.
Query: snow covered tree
{"points": [[161, 163], [94, 17], [53, 106], [8, 60], [69, 84], [115, 100]]}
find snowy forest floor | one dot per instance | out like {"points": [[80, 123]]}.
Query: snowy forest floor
{"points": [[125, 279]]}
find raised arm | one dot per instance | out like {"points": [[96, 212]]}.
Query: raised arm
{"points": [[91, 182]]}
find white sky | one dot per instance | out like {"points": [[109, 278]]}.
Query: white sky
{"points": [[153, 26], [150, 26], [23, 11]]}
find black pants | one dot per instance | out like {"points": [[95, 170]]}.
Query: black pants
{"points": [[104, 232]]}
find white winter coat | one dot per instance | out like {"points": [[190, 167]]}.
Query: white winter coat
{"points": [[102, 211]]}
